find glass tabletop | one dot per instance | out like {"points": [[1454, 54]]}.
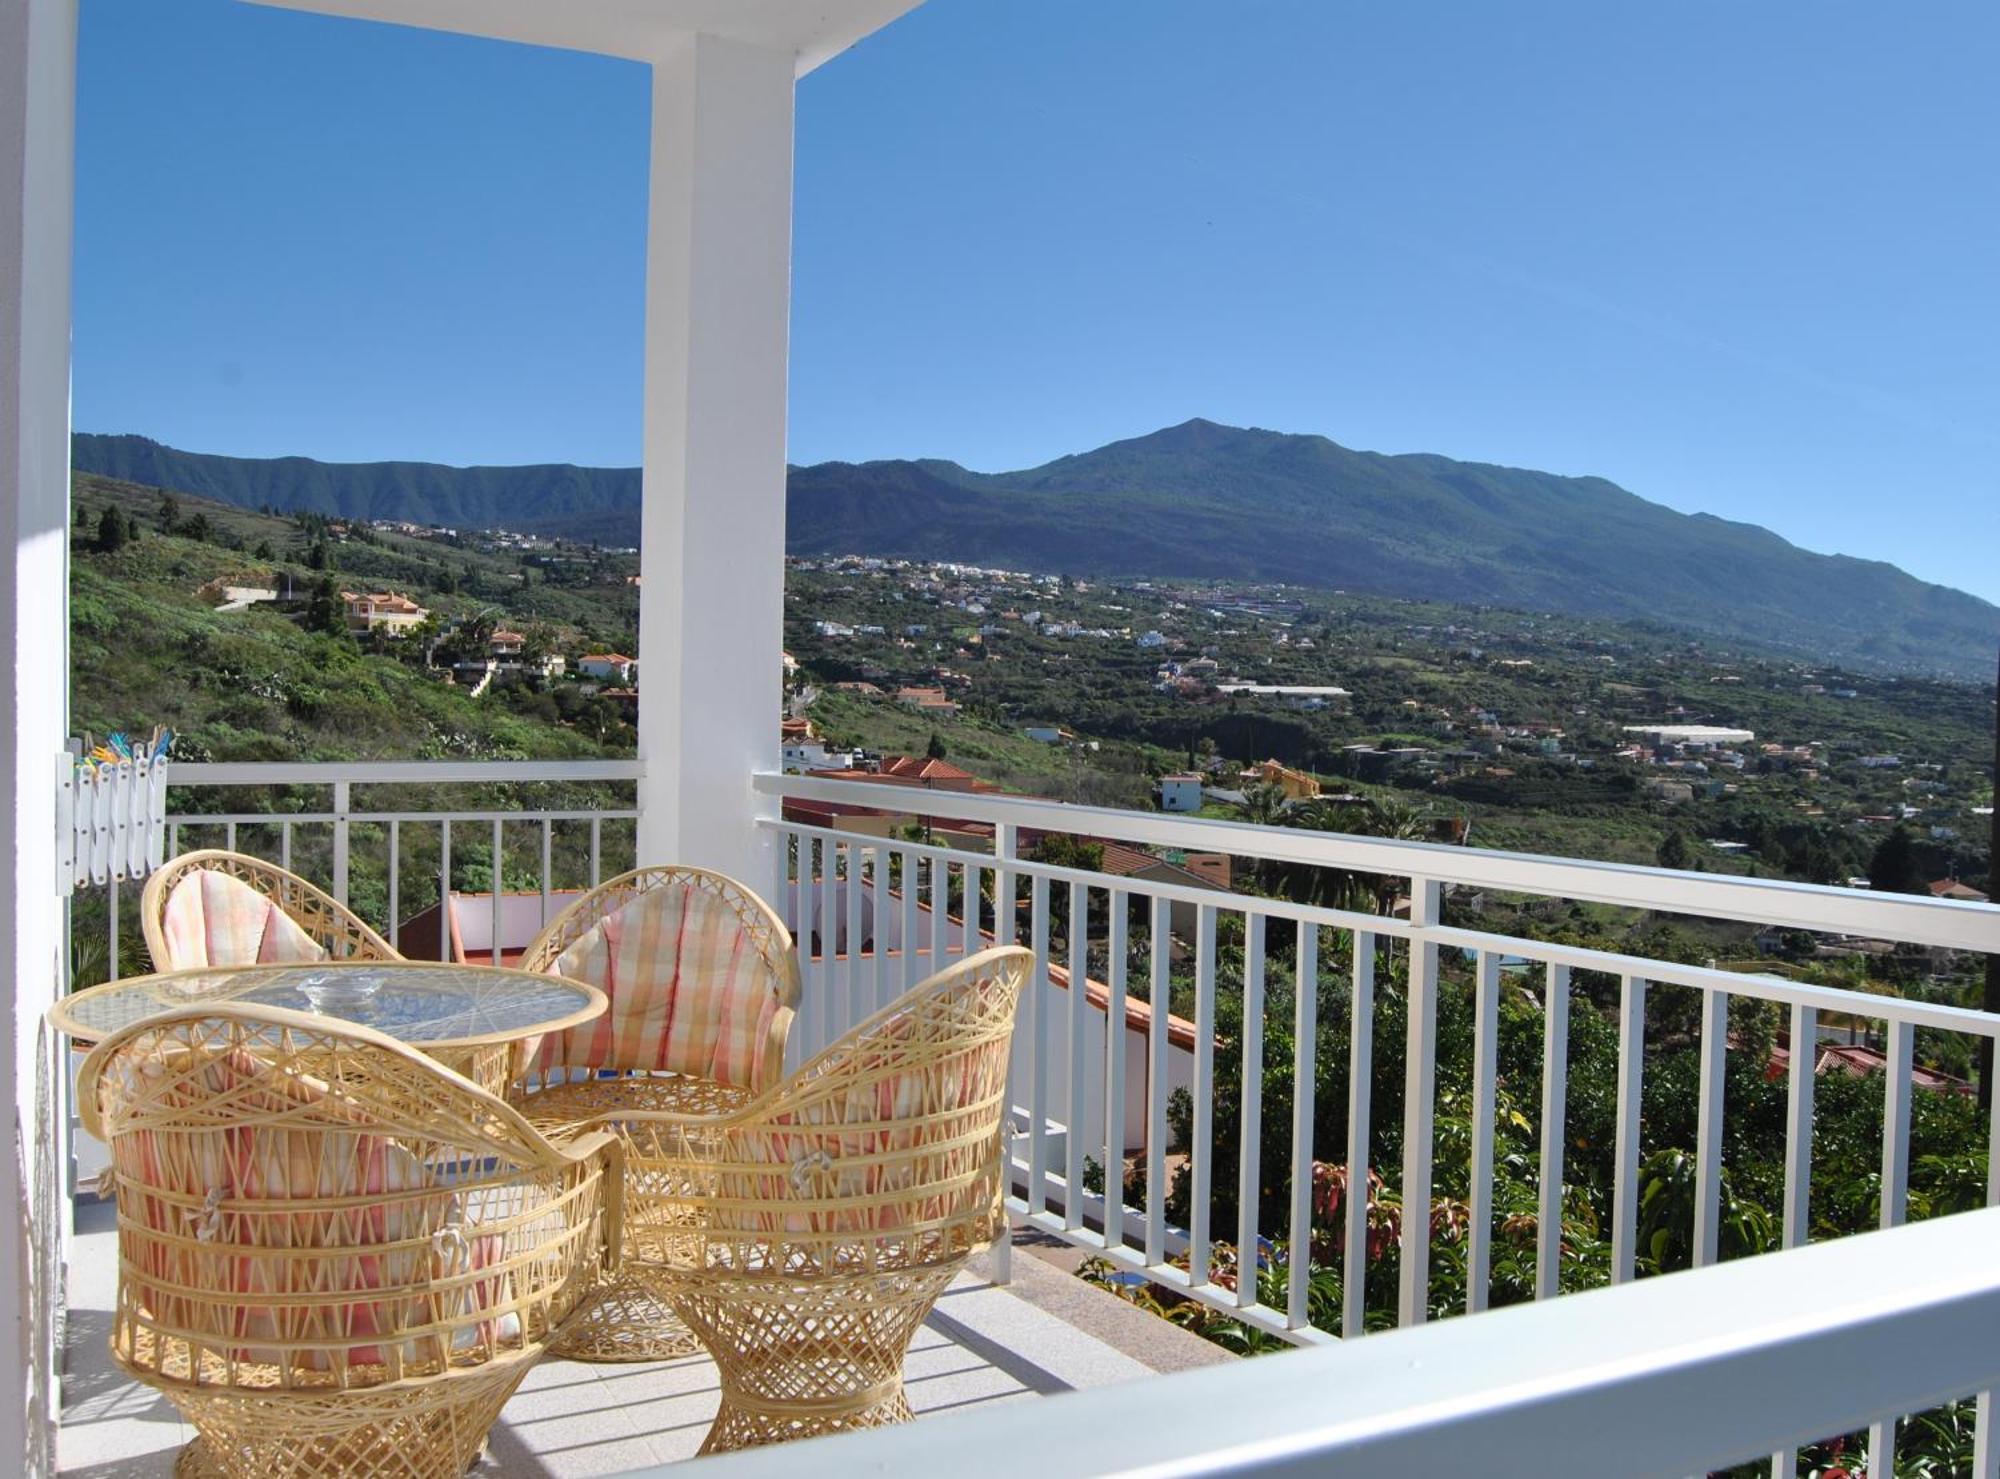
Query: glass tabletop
{"points": [[418, 1003]]}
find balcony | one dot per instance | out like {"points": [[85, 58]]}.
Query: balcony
{"points": [[1162, 1036], [1422, 990]]}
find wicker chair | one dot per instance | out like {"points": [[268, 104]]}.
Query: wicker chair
{"points": [[337, 1258], [826, 1218], [222, 908], [703, 985]]}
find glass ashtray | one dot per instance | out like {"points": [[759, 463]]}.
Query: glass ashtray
{"points": [[339, 993]]}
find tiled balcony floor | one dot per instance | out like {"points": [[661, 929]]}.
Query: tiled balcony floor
{"points": [[1044, 1333]]}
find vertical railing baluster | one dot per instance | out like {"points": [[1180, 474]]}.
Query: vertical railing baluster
{"points": [[497, 939], [548, 869], [1900, 1055], [229, 835], [1305, 1070], [826, 925], [855, 995], [1118, 903], [1078, 1060], [1985, 1433], [342, 805], [1896, 1087], [1419, 1104], [1249, 1169], [285, 846], [1201, 1153], [1709, 1109], [1161, 936], [1555, 1111], [1360, 1099], [1485, 1072], [1038, 1040], [596, 851], [795, 1047], [1625, 1137], [914, 969], [395, 882], [1799, 1125], [1804, 1055], [883, 991], [444, 889], [970, 938]]}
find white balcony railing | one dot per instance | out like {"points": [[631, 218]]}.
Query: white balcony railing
{"points": [[1094, 1076], [845, 887], [405, 852], [1687, 1374]]}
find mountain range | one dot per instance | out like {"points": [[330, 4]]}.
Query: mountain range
{"points": [[1201, 500]]}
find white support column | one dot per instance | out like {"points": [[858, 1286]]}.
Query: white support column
{"points": [[711, 619], [37, 172]]}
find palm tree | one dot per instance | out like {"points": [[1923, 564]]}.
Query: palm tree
{"points": [[1264, 805]]}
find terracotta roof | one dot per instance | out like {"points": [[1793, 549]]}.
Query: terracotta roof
{"points": [[606, 657], [926, 769], [1951, 888]]}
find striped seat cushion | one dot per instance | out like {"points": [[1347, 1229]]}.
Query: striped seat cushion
{"points": [[689, 991], [214, 918]]}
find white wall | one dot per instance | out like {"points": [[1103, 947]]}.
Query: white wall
{"points": [[37, 126]]}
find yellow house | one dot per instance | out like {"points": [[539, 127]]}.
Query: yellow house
{"points": [[1297, 785], [368, 610]]}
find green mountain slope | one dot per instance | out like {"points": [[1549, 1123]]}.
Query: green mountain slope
{"points": [[1204, 500]]}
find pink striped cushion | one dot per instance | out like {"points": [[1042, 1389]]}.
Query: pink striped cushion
{"points": [[854, 1147], [213, 918], [689, 991], [207, 1185]]}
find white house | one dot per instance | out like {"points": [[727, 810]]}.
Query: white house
{"points": [[814, 755], [614, 667], [1180, 792]]}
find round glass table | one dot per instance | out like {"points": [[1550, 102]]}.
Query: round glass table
{"points": [[477, 1020]]}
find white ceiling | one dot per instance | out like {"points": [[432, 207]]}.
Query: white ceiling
{"points": [[813, 30]]}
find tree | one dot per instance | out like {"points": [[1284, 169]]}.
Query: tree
{"points": [[325, 611], [1674, 851], [170, 511], [197, 527], [110, 530], [264, 550], [935, 749], [1894, 868]]}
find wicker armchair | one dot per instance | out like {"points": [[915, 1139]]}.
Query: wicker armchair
{"points": [[825, 1218], [703, 986], [222, 908], [337, 1258]]}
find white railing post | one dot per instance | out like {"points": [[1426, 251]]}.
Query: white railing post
{"points": [[1419, 1106], [1360, 1097], [1625, 1136], [1708, 1127], [1485, 1074], [343, 797], [1555, 1102]]}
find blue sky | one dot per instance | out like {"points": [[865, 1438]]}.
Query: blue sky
{"points": [[1737, 258]]}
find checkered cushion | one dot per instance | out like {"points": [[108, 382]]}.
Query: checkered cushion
{"points": [[689, 991], [214, 918]]}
